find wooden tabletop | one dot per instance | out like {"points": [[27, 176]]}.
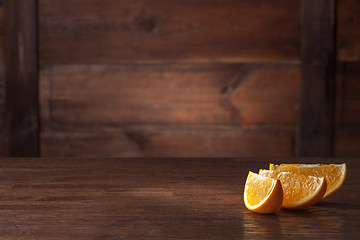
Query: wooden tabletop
{"points": [[159, 199]]}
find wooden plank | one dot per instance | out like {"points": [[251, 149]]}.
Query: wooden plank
{"points": [[122, 31], [2, 69], [317, 74], [269, 95], [202, 94], [347, 142], [347, 30], [147, 141], [1, 34], [1, 19], [93, 144], [21, 77], [2, 98], [348, 99], [3, 145]]}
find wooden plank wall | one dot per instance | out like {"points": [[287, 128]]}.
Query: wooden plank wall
{"points": [[348, 79], [160, 78], [189, 78]]}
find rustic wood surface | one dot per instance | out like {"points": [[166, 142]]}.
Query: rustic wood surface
{"points": [[348, 97], [317, 101], [159, 199], [1, 33], [116, 31], [267, 99], [347, 30], [144, 31], [346, 141], [160, 111], [84, 96], [170, 141], [2, 68], [21, 78]]}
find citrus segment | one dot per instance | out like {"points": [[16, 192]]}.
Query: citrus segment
{"points": [[262, 194], [334, 174], [300, 191]]}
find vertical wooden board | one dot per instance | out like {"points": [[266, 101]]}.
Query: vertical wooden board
{"points": [[1, 19], [170, 142], [3, 139], [347, 142], [2, 69], [1, 35], [1, 51], [2, 98], [348, 98], [118, 31], [3, 145], [317, 76], [21, 79], [347, 30], [205, 94]]}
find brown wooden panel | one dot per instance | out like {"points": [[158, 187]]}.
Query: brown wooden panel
{"points": [[347, 142], [348, 97], [21, 77], [348, 34], [348, 110], [98, 144], [317, 76], [1, 19], [100, 95], [1, 34], [2, 97], [269, 95], [118, 31], [167, 142], [3, 145]]}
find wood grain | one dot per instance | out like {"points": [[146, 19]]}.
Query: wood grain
{"points": [[317, 104], [1, 34], [348, 99], [71, 198], [88, 96], [113, 31], [347, 108], [346, 141], [21, 77], [2, 69], [348, 35], [2, 98], [150, 141], [3, 145]]}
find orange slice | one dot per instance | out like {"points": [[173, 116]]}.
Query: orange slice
{"points": [[300, 191], [334, 174], [262, 194]]}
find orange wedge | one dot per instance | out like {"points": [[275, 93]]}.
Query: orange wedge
{"points": [[334, 174], [300, 191], [262, 194]]}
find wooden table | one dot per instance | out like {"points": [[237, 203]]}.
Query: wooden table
{"points": [[158, 199]]}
